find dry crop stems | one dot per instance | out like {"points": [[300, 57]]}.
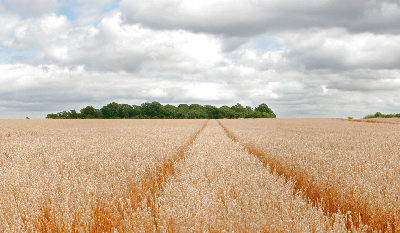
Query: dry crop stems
{"points": [[343, 165], [163, 173], [120, 175], [220, 187], [394, 121], [85, 175]]}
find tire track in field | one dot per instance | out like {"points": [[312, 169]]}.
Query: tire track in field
{"points": [[302, 184], [153, 180], [219, 186], [274, 165]]}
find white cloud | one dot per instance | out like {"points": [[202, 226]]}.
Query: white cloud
{"points": [[203, 91], [36, 33], [86, 12], [248, 18], [30, 8], [9, 22], [336, 49], [157, 92], [324, 89], [113, 47]]}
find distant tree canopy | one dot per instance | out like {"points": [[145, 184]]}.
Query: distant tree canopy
{"points": [[155, 110], [378, 114]]}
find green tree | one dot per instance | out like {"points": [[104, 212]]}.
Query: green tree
{"points": [[378, 114], [196, 107], [64, 115], [170, 111], [125, 111], [156, 110], [225, 112], [197, 114], [137, 111], [238, 108], [110, 111], [263, 108], [74, 114], [90, 112], [259, 114], [153, 110], [184, 107], [183, 111], [211, 111], [52, 116]]}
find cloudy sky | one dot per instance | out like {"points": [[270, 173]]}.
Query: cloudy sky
{"points": [[303, 58]]}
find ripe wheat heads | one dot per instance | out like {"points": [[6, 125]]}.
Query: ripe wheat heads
{"points": [[342, 165]]}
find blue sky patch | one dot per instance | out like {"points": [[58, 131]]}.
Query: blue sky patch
{"points": [[112, 6], [12, 56], [71, 9], [68, 11], [266, 44]]}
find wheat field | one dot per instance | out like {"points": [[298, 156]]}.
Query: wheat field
{"points": [[348, 166], [237, 175], [86, 175]]}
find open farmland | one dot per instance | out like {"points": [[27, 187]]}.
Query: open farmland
{"points": [[86, 175], [220, 186], [255, 175], [342, 165]]}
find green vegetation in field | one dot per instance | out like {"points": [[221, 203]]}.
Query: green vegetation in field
{"points": [[378, 114], [155, 110]]}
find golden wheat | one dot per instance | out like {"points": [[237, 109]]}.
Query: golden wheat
{"points": [[271, 175], [219, 187], [343, 165], [86, 175]]}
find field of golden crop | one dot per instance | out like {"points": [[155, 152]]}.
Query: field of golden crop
{"points": [[86, 175], [350, 166], [242, 175]]}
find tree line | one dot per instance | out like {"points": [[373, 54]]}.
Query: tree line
{"points": [[378, 114], [155, 110]]}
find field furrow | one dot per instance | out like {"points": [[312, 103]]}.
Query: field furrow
{"points": [[218, 186], [87, 175], [344, 166]]}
